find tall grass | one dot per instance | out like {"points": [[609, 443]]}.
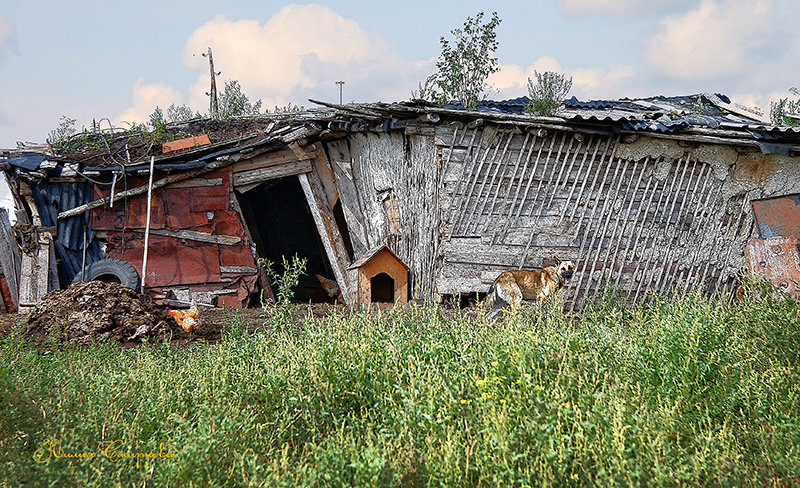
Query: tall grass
{"points": [[682, 392]]}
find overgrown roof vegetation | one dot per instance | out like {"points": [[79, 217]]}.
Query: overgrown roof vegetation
{"points": [[464, 66], [162, 126], [785, 112], [548, 93]]}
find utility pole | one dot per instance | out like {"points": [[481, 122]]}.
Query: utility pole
{"points": [[340, 83], [213, 108]]}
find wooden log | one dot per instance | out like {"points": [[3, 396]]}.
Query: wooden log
{"points": [[238, 269], [197, 183], [147, 223]]}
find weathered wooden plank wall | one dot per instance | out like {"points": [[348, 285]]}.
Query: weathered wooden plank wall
{"points": [[381, 175], [660, 221]]}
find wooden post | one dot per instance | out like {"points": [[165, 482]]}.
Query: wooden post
{"points": [[35, 275], [147, 221], [9, 256], [331, 238]]}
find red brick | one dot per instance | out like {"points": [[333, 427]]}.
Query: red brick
{"points": [[187, 143]]}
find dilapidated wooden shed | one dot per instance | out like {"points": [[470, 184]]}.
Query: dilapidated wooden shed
{"points": [[646, 195]]}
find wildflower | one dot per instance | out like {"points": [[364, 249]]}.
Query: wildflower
{"points": [[527, 376], [464, 402], [495, 363], [480, 383]]}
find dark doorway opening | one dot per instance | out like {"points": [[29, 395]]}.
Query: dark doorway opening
{"points": [[381, 288], [463, 300], [281, 224]]}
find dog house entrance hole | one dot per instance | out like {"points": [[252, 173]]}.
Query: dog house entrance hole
{"points": [[381, 288]]}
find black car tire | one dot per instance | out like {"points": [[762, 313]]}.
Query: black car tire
{"points": [[112, 270]]}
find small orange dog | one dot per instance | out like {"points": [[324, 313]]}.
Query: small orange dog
{"points": [[511, 287]]}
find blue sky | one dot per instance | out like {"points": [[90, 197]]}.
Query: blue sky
{"points": [[118, 60]]}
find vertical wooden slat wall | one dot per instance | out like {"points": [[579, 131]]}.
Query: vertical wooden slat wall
{"points": [[513, 198]]}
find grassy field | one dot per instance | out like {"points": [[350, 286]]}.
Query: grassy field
{"points": [[690, 392]]}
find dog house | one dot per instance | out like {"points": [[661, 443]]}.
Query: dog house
{"points": [[382, 278]]}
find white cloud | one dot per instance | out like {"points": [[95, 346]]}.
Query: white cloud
{"points": [[615, 8], [511, 81], [146, 97], [587, 83], [8, 36], [299, 53], [714, 41]]}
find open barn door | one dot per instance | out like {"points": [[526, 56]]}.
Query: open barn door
{"points": [[281, 224]]}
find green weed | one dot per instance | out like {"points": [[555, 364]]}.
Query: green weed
{"points": [[681, 392]]}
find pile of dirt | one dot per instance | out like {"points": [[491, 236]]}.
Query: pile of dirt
{"points": [[90, 311]]}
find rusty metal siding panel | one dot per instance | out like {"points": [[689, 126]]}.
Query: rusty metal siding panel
{"points": [[170, 261], [778, 216], [778, 260], [181, 262]]}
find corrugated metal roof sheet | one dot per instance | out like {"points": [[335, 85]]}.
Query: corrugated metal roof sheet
{"points": [[658, 114]]}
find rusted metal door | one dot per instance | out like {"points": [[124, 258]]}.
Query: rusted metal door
{"points": [[776, 256], [776, 259], [778, 216]]}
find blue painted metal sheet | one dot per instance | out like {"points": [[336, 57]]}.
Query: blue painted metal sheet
{"points": [[50, 198], [28, 160]]}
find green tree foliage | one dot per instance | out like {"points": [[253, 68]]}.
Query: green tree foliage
{"points": [[66, 128], [784, 112], [157, 119], [548, 93], [180, 113], [465, 64], [234, 103]]}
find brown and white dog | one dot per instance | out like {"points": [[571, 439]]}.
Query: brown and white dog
{"points": [[511, 287]]}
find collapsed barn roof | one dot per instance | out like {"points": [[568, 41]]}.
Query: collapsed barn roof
{"points": [[274, 146], [709, 117]]}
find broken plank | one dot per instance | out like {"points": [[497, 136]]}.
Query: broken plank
{"points": [[274, 158], [9, 256], [238, 269], [193, 235], [328, 232], [348, 196], [197, 182], [323, 170], [270, 173]]}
